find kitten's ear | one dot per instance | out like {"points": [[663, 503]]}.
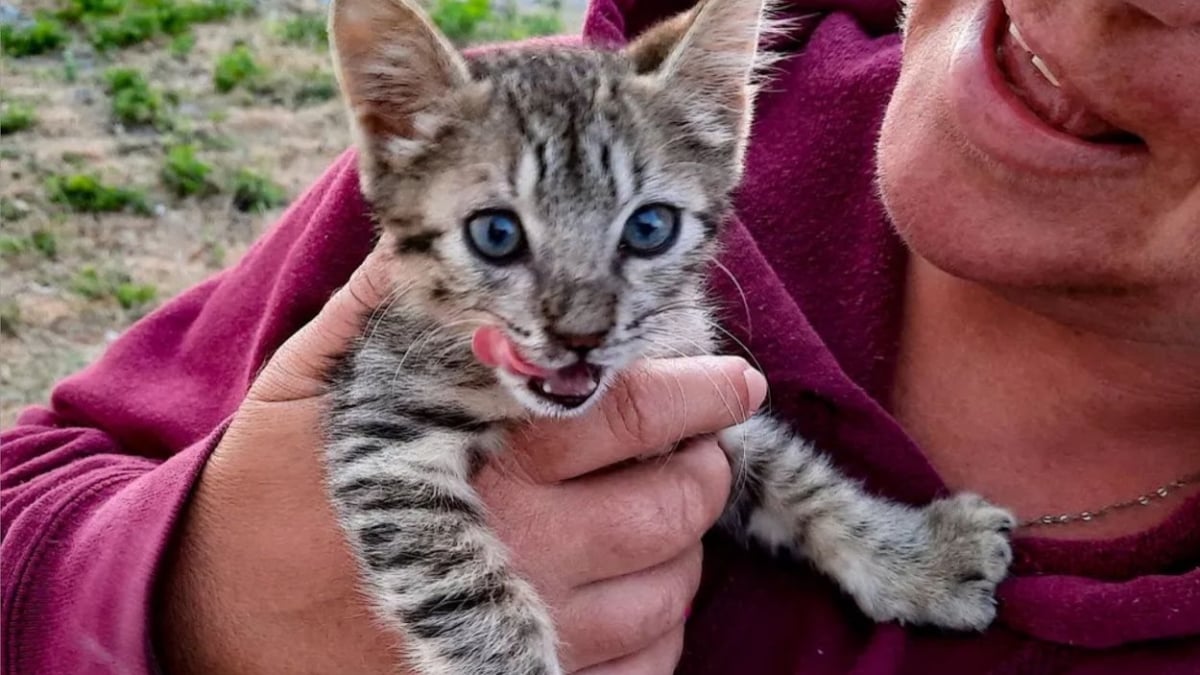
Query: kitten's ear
{"points": [[392, 64], [710, 54]]}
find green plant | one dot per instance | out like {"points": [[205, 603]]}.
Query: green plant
{"points": [[10, 317], [41, 241], [45, 243], [88, 283], [235, 67], [75, 10], [134, 101], [12, 210], [133, 296], [514, 23], [216, 253], [255, 192], [87, 193], [315, 87], [182, 45], [186, 175], [305, 29], [94, 284], [11, 245], [460, 20], [70, 67], [191, 12], [16, 117], [45, 34], [469, 21], [144, 20], [125, 31]]}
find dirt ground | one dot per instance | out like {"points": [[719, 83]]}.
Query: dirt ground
{"points": [[49, 327]]}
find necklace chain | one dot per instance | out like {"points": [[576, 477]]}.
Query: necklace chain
{"points": [[1161, 493]]}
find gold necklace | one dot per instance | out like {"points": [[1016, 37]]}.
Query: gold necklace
{"points": [[1162, 493]]}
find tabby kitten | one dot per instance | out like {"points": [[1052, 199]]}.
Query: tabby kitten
{"points": [[553, 210]]}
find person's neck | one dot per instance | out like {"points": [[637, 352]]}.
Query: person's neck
{"points": [[1038, 416]]}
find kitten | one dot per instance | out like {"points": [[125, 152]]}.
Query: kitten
{"points": [[554, 210]]}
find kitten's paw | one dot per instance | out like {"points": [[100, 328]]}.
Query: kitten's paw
{"points": [[938, 566], [968, 555]]}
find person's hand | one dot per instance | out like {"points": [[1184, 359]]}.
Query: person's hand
{"points": [[261, 580]]}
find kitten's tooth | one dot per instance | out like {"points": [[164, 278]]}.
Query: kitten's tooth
{"points": [[546, 388], [1045, 70], [1016, 33]]}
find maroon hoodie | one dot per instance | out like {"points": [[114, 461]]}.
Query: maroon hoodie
{"points": [[93, 486]]}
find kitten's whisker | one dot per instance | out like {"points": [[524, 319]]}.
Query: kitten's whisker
{"points": [[424, 338], [668, 307], [741, 292], [381, 311], [715, 325], [510, 325], [740, 480]]}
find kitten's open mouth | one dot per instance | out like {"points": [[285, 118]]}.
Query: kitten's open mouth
{"points": [[568, 387]]}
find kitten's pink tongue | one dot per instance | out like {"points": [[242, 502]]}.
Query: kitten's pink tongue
{"points": [[494, 349]]}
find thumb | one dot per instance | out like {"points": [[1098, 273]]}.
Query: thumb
{"points": [[298, 370]]}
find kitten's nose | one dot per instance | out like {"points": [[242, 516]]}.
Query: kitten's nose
{"points": [[580, 343]]}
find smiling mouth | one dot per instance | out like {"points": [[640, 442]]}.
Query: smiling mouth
{"points": [[568, 387], [1028, 114], [1032, 79]]}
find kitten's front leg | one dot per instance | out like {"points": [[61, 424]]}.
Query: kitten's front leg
{"points": [[938, 565], [433, 568]]}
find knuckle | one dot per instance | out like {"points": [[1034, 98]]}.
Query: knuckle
{"points": [[688, 507], [704, 489], [647, 530], [686, 504], [654, 612]]}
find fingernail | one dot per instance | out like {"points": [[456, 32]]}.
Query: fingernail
{"points": [[756, 386]]}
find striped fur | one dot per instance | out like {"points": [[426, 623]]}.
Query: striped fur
{"points": [[572, 140]]}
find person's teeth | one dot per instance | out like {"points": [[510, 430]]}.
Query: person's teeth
{"points": [[1045, 70], [1016, 33], [1037, 60]]}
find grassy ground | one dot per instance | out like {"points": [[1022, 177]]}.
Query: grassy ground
{"points": [[118, 189]]}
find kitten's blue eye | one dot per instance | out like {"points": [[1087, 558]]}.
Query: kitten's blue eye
{"points": [[496, 235], [650, 230]]}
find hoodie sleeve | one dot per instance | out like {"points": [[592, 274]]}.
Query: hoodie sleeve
{"points": [[92, 486]]}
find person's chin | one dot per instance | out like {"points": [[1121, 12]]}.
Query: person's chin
{"points": [[1069, 279]]}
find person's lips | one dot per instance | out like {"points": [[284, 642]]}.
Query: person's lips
{"points": [[1019, 108]]}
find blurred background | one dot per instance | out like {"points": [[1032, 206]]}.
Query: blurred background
{"points": [[145, 144]]}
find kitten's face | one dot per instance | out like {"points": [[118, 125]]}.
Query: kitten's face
{"points": [[570, 198]]}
